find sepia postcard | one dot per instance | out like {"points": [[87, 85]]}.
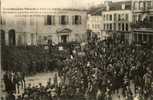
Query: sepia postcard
{"points": [[76, 50]]}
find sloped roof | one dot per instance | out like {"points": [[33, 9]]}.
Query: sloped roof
{"points": [[118, 5], [112, 6], [96, 10]]}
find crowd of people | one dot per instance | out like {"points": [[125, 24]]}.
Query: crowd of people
{"points": [[13, 81], [99, 70], [30, 59], [110, 66]]}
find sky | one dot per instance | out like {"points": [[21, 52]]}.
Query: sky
{"points": [[50, 3]]}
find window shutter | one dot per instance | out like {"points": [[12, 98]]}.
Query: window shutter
{"points": [[67, 19], [54, 20], [79, 19], [45, 20], [59, 19], [51, 20], [73, 20]]}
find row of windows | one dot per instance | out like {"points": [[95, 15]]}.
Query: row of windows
{"points": [[95, 19], [140, 17], [49, 20], [22, 39], [117, 27], [96, 26], [141, 5], [143, 38], [63, 20], [116, 17]]}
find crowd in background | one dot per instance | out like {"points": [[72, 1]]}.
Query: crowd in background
{"points": [[110, 66], [31, 59], [99, 70]]}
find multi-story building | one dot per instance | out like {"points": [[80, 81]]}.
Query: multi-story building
{"points": [[117, 18], [94, 23], [142, 21], [33, 26]]}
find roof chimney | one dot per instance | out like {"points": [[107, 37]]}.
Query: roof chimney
{"points": [[107, 3]]}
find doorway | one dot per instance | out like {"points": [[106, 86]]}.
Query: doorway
{"points": [[2, 37], [12, 39], [64, 38]]}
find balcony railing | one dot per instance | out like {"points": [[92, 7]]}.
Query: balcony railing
{"points": [[142, 24]]}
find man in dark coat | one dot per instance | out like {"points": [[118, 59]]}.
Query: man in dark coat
{"points": [[10, 96], [6, 79]]}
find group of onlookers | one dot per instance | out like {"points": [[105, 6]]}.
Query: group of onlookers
{"points": [[111, 66], [13, 81], [98, 72]]}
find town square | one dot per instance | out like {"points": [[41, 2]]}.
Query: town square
{"points": [[95, 51]]}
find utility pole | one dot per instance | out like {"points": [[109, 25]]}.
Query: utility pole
{"points": [[0, 6], [0, 12], [0, 51], [36, 30]]}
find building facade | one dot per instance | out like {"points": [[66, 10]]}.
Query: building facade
{"points": [[31, 26], [142, 21], [131, 20], [117, 18], [94, 23]]}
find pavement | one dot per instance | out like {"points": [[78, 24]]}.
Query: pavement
{"points": [[43, 78], [33, 80]]}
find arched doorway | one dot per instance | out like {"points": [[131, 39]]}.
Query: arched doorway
{"points": [[64, 34], [12, 39], [2, 37]]}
